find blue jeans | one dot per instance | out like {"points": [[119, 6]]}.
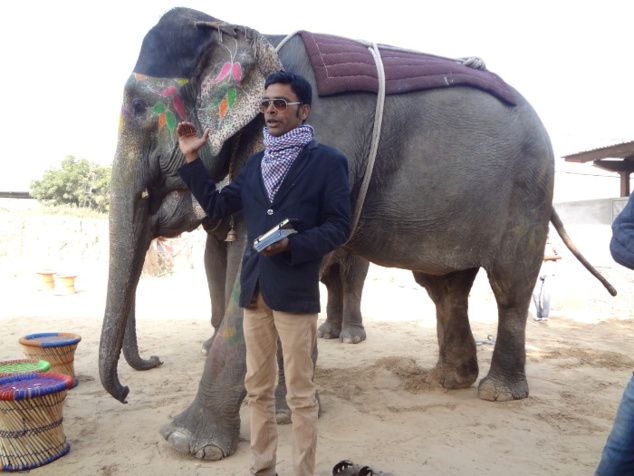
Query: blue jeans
{"points": [[618, 454]]}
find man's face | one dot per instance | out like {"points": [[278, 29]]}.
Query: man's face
{"points": [[280, 122]]}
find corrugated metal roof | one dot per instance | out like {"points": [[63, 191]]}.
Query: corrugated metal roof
{"points": [[616, 151]]}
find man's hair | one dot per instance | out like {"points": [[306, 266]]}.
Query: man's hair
{"points": [[300, 86]]}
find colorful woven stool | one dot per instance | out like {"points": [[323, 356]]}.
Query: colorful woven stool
{"points": [[31, 431], [24, 366], [56, 348]]}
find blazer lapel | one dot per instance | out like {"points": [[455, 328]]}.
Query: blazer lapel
{"points": [[260, 180], [298, 165]]}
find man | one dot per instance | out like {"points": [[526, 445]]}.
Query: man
{"points": [[542, 291], [618, 454], [294, 178]]}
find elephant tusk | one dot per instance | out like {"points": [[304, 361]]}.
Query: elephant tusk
{"points": [[145, 194]]}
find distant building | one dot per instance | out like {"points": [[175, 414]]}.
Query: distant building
{"points": [[617, 158], [15, 195], [17, 201]]}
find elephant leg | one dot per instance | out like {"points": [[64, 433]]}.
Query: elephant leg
{"points": [[331, 328], [131, 346], [216, 271], [282, 410], [353, 271], [222, 265], [210, 427], [512, 282], [457, 365], [344, 279]]}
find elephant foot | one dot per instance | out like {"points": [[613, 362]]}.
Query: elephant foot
{"points": [[181, 440], [452, 378], [282, 417], [329, 330], [282, 411], [208, 441], [496, 390], [352, 335]]}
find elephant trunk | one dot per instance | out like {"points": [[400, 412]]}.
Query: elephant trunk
{"points": [[129, 240]]}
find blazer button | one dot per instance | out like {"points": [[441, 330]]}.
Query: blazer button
{"points": [[269, 211]]}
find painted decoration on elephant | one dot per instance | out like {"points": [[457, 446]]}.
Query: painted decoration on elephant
{"points": [[230, 339], [221, 88], [169, 105]]}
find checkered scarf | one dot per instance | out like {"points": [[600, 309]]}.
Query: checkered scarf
{"points": [[280, 153]]}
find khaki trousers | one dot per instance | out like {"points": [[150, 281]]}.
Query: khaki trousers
{"points": [[297, 332]]}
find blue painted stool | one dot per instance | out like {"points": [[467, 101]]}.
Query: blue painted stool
{"points": [[31, 431]]}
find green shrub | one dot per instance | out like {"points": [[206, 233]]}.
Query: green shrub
{"points": [[79, 183]]}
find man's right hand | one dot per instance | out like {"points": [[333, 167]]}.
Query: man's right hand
{"points": [[278, 247], [188, 140]]}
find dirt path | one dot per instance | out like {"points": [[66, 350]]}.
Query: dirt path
{"points": [[377, 408]]}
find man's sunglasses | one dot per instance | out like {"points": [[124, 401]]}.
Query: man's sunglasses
{"points": [[278, 104]]}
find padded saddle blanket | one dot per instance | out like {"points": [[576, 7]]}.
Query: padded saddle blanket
{"points": [[341, 64]]}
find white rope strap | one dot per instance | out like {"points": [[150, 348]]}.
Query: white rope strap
{"points": [[285, 40], [378, 121], [376, 134]]}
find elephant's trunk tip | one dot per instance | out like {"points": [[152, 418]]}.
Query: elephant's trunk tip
{"points": [[121, 393], [109, 377], [118, 391]]}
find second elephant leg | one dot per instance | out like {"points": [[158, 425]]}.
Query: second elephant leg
{"points": [[457, 365]]}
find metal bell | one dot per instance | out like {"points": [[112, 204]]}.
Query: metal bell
{"points": [[232, 235]]}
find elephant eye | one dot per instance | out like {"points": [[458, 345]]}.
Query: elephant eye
{"points": [[138, 107]]}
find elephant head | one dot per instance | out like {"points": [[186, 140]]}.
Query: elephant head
{"points": [[147, 202], [191, 67]]}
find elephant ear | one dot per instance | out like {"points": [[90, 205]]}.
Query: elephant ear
{"points": [[230, 80]]}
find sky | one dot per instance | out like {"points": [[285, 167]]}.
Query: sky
{"points": [[65, 64]]}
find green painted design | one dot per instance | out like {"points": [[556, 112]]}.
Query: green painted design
{"points": [[220, 95], [235, 294], [159, 108], [231, 96], [171, 121], [214, 103], [168, 89]]}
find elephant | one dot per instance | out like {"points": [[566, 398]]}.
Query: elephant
{"points": [[461, 180], [148, 201]]}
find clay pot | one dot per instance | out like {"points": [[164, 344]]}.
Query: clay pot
{"points": [[64, 284], [46, 279]]}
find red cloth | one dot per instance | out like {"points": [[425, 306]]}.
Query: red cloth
{"points": [[341, 64]]}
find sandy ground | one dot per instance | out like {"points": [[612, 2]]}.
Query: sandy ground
{"points": [[377, 409]]}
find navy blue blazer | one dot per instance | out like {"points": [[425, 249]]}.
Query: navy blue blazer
{"points": [[315, 194], [622, 242]]}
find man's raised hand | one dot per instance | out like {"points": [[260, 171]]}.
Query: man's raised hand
{"points": [[188, 140]]}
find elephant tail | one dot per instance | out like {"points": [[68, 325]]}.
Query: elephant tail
{"points": [[559, 226]]}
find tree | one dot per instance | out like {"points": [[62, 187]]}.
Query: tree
{"points": [[79, 183]]}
